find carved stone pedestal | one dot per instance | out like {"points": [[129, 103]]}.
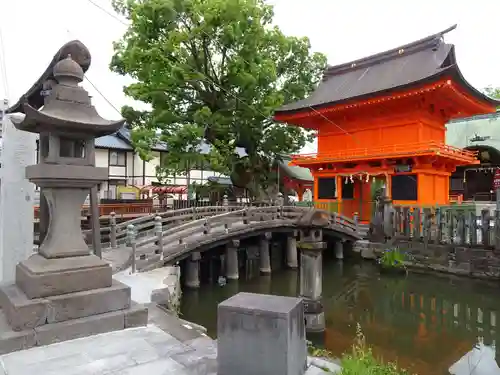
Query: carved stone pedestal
{"points": [[62, 299]]}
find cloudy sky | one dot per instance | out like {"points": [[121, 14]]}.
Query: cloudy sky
{"points": [[33, 30]]}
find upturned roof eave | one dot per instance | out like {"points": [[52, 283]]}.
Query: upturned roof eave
{"points": [[358, 98], [452, 71], [34, 118]]}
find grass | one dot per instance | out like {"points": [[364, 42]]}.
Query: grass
{"points": [[360, 360], [393, 258]]}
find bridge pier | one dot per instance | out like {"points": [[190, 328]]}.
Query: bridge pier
{"points": [[193, 271], [291, 251], [232, 269], [265, 256], [311, 247], [339, 249]]}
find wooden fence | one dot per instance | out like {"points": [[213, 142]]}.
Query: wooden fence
{"points": [[454, 225]]}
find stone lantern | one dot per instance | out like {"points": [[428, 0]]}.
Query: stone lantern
{"points": [[64, 282], [68, 125]]}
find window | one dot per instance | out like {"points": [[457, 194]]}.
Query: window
{"points": [[117, 158], [405, 187], [327, 188], [348, 190], [457, 184]]}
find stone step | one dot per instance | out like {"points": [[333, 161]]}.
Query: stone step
{"points": [[134, 316], [24, 313]]}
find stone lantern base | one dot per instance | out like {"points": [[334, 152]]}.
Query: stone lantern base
{"points": [[61, 299]]}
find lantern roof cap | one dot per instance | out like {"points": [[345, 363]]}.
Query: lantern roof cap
{"points": [[68, 69]]}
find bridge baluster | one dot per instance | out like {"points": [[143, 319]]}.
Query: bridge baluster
{"points": [[131, 236], [112, 230], [356, 222], [159, 235], [206, 226], [225, 202]]}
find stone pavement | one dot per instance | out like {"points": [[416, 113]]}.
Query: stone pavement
{"points": [[145, 350], [119, 258]]}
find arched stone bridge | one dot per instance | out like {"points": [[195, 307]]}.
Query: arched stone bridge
{"points": [[166, 238]]}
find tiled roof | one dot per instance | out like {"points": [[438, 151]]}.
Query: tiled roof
{"points": [[112, 141], [298, 173], [487, 116], [405, 66], [124, 133]]}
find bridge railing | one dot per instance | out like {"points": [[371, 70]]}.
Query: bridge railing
{"points": [[169, 236], [115, 234]]}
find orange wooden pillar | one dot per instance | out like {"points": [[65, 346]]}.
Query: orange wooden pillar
{"points": [[338, 186]]}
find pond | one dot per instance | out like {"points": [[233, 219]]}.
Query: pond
{"points": [[425, 322]]}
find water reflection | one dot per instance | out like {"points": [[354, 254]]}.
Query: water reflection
{"points": [[426, 323]]}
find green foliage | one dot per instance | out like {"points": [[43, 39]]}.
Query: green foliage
{"points": [[214, 69], [492, 92], [361, 360], [393, 258]]}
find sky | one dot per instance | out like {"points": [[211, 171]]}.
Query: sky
{"points": [[32, 31]]}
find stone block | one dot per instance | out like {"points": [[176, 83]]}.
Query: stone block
{"points": [[368, 253], [41, 277], [136, 316], [89, 302], [21, 312], [77, 328], [261, 334], [11, 341]]}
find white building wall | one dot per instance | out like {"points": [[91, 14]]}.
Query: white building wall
{"points": [[138, 173]]}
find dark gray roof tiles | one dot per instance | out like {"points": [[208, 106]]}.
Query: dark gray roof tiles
{"points": [[417, 62]]}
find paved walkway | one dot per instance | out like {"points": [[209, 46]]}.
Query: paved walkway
{"points": [[118, 258], [146, 351]]}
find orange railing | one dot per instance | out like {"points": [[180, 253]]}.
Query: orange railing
{"points": [[397, 150], [119, 209]]}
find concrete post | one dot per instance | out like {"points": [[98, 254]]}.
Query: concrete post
{"points": [[311, 278], [112, 230], [159, 235], [339, 249], [261, 334], [232, 266], [265, 256], [193, 270], [131, 235], [291, 251], [16, 198]]}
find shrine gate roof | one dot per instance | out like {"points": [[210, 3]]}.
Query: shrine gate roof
{"points": [[422, 61]]}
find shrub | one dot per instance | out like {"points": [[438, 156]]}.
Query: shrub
{"points": [[393, 258], [361, 360]]}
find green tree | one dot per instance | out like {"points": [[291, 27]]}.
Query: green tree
{"points": [[492, 92], [214, 70]]}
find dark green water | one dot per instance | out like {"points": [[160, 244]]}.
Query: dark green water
{"points": [[424, 322]]}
